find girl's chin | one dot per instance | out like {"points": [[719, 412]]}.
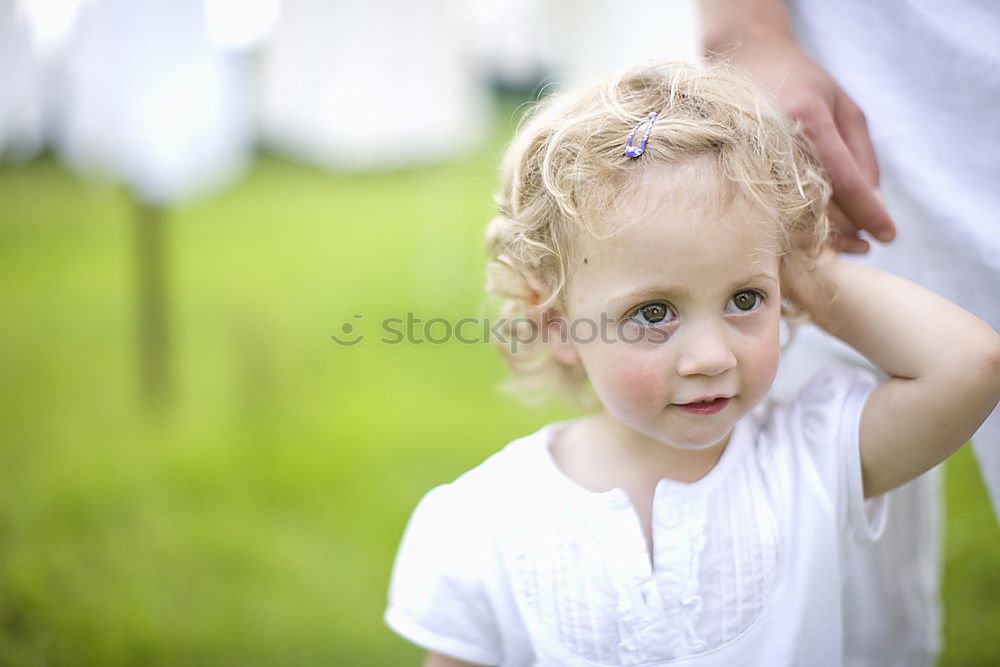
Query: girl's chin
{"points": [[697, 445], [674, 438]]}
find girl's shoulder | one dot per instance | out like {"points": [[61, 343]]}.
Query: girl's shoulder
{"points": [[502, 482], [812, 440], [810, 447], [442, 594], [457, 529], [835, 395], [523, 458]]}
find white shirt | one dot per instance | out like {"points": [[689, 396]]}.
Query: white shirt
{"points": [[515, 564]]}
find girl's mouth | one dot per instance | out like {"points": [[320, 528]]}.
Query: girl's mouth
{"points": [[706, 406]]}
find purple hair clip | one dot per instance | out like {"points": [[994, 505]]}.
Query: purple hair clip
{"points": [[636, 151]]}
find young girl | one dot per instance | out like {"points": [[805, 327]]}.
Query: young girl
{"points": [[653, 227]]}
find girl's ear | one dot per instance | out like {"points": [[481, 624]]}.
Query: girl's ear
{"points": [[556, 335], [553, 327]]}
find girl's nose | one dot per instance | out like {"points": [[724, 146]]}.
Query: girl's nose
{"points": [[705, 352]]}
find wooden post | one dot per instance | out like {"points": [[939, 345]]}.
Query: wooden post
{"points": [[155, 378]]}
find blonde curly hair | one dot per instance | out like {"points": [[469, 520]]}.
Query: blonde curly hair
{"points": [[565, 169]]}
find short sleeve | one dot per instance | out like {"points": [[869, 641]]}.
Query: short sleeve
{"points": [[827, 416], [438, 597]]}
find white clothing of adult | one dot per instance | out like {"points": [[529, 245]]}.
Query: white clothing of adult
{"points": [[927, 76], [518, 40], [22, 87], [152, 102], [371, 85], [514, 564]]}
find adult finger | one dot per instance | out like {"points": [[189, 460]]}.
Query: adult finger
{"points": [[851, 190], [853, 126]]}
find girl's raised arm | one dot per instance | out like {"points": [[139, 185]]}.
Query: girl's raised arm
{"points": [[943, 364]]}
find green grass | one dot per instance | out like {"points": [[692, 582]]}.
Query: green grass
{"points": [[256, 520]]}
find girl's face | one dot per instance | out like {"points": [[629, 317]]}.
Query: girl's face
{"points": [[687, 306]]}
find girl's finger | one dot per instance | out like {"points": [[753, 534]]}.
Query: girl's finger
{"points": [[843, 234]]}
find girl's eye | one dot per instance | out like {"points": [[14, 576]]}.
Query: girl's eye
{"points": [[746, 301], [653, 313]]}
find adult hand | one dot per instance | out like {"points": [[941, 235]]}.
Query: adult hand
{"points": [[754, 36]]}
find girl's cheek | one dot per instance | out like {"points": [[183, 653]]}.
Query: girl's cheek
{"points": [[635, 377], [764, 358]]}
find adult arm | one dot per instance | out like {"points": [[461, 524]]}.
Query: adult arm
{"points": [[754, 35], [943, 364]]}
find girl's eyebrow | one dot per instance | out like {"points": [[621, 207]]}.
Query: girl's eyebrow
{"points": [[684, 291]]}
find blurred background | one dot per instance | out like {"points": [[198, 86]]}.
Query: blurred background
{"points": [[195, 196]]}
